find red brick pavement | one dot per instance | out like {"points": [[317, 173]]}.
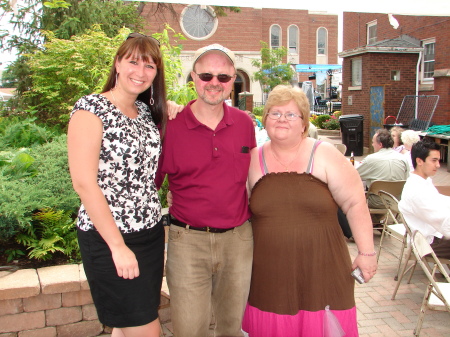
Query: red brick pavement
{"points": [[378, 315]]}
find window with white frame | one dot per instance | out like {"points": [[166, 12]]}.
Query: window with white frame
{"points": [[293, 39], [356, 72], [372, 32], [322, 37], [198, 22], [428, 59], [275, 37]]}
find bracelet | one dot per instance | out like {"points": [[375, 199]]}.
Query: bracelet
{"points": [[367, 254]]}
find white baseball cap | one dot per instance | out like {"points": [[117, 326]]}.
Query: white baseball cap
{"points": [[213, 47]]}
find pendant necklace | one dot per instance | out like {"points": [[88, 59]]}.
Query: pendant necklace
{"points": [[286, 167], [114, 98]]}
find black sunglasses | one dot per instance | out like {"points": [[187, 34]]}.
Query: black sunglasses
{"points": [[133, 35], [222, 78]]}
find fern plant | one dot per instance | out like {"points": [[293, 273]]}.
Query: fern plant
{"points": [[50, 231], [17, 164], [18, 133]]}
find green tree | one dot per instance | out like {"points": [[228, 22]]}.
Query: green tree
{"points": [[65, 70], [181, 94], [80, 16], [34, 17], [272, 71]]}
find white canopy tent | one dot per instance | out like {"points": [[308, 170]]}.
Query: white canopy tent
{"points": [[406, 7]]}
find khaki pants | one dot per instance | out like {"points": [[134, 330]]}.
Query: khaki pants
{"points": [[209, 273]]}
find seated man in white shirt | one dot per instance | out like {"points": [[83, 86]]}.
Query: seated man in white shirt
{"points": [[384, 164], [422, 206]]}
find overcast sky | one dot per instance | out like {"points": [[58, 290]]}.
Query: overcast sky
{"points": [[5, 58]]}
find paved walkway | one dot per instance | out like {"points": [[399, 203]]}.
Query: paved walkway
{"points": [[378, 315]]}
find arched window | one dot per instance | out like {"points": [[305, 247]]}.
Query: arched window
{"points": [[322, 42], [293, 39], [275, 37]]}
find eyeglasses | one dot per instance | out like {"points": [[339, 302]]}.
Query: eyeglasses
{"points": [[290, 116], [222, 78], [133, 35]]}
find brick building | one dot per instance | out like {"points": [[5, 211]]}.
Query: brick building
{"points": [[311, 37], [383, 64]]}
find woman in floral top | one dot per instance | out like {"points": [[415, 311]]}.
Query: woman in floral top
{"points": [[114, 145]]}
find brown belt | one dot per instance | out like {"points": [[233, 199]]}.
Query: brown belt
{"points": [[179, 223]]}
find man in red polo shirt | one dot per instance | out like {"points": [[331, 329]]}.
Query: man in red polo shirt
{"points": [[206, 155]]}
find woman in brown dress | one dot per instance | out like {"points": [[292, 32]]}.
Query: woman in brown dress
{"points": [[301, 261]]}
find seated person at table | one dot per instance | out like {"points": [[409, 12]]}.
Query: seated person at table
{"points": [[409, 138], [384, 164], [396, 133], [423, 208]]}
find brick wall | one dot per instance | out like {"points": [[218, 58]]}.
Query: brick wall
{"points": [[237, 31], [242, 33], [52, 302], [376, 71], [419, 27], [442, 88]]}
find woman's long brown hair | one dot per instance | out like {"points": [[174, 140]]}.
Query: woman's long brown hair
{"points": [[144, 47]]}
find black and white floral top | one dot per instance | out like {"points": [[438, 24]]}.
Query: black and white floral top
{"points": [[128, 161]]}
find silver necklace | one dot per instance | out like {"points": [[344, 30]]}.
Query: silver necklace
{"points": [[116, 102], [286, 166]]}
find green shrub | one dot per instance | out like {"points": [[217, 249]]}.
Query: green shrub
{"points": [[17, 164], [332, 124], [162, 192], [49, 187], [50, 232], [16, 132], [321, 119], [313, 120], [258, 110]]}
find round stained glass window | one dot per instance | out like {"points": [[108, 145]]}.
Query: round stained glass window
{"points": [[198, 22]]}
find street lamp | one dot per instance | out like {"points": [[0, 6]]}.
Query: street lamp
{"points": [[330, 75]]}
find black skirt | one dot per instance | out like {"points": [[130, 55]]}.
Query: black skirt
{"points": [[122, 302]]}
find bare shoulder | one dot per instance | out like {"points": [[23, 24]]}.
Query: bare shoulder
{"points": [[83, 121], [329, 161], [254, 173], [84, 115]]}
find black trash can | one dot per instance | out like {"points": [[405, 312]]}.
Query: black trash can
{"points": [[352, 133]]}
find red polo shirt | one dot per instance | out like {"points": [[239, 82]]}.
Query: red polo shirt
{"points": [[207, 169]]}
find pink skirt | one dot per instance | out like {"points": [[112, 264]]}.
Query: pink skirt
{"points": [[259, 323]]}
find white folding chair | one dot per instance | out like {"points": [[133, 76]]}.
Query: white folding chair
{"points": [[409, 254], [437, 294], [341, 147], [393, 187], [397, 229]]}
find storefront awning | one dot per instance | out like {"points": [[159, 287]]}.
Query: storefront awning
{"points": [[313, 68]]}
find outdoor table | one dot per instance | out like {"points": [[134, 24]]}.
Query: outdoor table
{"points": [[442, 140]]}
